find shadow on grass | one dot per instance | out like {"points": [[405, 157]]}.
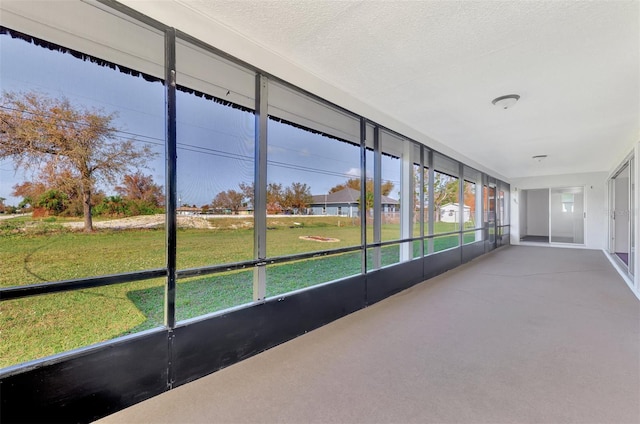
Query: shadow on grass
{"points": [[27, 261]]}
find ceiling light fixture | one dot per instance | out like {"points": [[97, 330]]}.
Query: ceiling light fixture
{"points": [[505, 102], [539, 158]]}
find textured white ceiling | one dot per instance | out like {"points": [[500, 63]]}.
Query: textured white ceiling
{"points": [[436, 65]]}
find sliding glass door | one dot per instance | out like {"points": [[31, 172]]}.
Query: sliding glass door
{"points": [[621, 204], [566, 207]]}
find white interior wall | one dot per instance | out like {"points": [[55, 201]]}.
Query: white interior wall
{"points": [[595, 202], [522, 221], [537, 212]]}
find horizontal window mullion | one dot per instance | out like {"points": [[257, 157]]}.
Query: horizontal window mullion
{"points": [[17, 292], [310, 255], [215, 269], [450, 233], [392, 242]]}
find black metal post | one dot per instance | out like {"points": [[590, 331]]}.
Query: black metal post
{"points": [[260, 190], [363, 192], [421, 200], [171, 179], [431, 210], [377, 196]]}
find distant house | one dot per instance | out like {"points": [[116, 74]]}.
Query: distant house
{"points": [[345, 203], [451, 213], [188, 210], [245, 210]]}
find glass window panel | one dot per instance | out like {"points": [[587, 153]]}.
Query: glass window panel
{"points": [[425, 187], [418, 200], [489, 206], [372, 221], [416, 248], [471, 213], [215, 177], [445, 242], [313, 191], [470, 197], [126, 194], [398, 191], [473, 201], [215, 168], [390, 187], [370, 157], [501, 206], [389, 255], [489, 203], [505, 202], [370, 165], [447, 207], [206, 294], [44, 325], [470, 237], [77, 216], [291, 276]]}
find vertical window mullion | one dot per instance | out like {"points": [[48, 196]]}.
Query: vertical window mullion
{"points": [[363, 192], [260, 190], [430, 212], [377, 197], [421, 200], [461, 202], [171, 177]]}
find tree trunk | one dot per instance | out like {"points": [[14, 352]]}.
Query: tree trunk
{"points": [[86, 208]]}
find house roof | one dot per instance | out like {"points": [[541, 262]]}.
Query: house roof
{"points": [[346, 195]]}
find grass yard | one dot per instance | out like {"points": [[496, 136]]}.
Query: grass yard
{"points": [[39, 326]]}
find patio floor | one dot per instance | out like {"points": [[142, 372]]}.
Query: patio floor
{"points": [[521, 335]]}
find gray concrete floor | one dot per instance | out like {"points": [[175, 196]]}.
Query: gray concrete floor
{"points": [[522, 335]]}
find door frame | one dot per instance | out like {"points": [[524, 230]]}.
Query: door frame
{"points": [[626, 166]]}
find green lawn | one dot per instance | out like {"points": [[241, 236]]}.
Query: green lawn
{"points": [[43, 325]]}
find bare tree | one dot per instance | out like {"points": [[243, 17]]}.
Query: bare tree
{"points": [[51, 178], [297, 197], [445, 189], [354, 183], [36, 130], [248, 192], [230, 199], [141, 187], [274, 198]]}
